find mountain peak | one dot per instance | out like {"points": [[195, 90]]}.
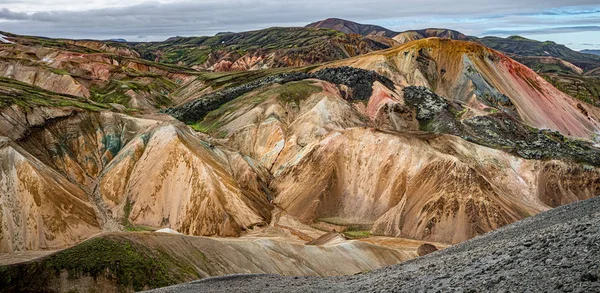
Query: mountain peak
{"points": [[351, 27], [442, 33]]}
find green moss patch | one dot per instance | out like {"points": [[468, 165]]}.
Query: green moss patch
{"points": [[27, 96], [129, 265]]}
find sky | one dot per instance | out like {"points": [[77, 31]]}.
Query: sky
{"points": [[571, 22]]}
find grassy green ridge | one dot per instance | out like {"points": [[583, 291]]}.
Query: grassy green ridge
{"points": [[26, 96], [314, 44], [583, 88], [124, 263]]}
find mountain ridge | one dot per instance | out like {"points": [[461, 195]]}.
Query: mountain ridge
{"points": [[355, 149], [351, 27]]}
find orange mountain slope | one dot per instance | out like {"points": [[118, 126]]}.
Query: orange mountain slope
{"points": [[472, 75]]}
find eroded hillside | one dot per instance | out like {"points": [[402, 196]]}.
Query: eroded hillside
{"points": [[435, 140]]}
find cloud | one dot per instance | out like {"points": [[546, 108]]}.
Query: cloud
{"points": [[142, 20], [11, 15]]}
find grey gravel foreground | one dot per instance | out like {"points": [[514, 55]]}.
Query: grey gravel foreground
{"points": [[556, 251]]}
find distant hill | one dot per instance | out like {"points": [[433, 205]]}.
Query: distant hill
{"points": [[414, 35], [350, 27], [593, 52], [224, 33], [527, 47], [267, 48]]}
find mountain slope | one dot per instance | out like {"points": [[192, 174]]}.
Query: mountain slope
{"points": [[39, 208], [523, 256], [478, 77], [526, 47], [92, 70], [570, 71], [268, 48], [350, 27]]}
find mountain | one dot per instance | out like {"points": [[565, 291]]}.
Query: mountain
{"points": [[413, 35], [494, 262], [350, 27], [593, 52], [478, 77], [118, 40], [526, 47], [572, 72], [268, 48], [434, 141], [104, 72]]}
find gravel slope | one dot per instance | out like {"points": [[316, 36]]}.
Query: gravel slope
{"points": [[558, 250]]}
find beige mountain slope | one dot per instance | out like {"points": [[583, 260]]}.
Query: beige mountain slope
{"points": [[38, 207], [170, 177], [166, 259], [330, 166]]}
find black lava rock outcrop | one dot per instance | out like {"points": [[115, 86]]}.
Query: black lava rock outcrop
{"points": [[197, 109], [499, 130]]}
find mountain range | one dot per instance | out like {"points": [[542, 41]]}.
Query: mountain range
{"points": [[328, 150], [594, 52]]}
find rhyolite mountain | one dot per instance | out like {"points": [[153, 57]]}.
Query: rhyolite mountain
{"points": [[357, 161], [572, 72], [261, 49], [350, 27]]}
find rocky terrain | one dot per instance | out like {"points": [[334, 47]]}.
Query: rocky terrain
{"points": [[135, 261], [291, 168], [556, 251]]}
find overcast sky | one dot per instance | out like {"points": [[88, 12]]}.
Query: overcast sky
{"points": [[574, 23]]}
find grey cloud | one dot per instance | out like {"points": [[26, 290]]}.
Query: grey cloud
{"points": [[156, 21], [10, 15]]}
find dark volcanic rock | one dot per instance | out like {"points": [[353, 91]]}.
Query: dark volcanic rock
{"points": [[360, 80], [500, 130], [426, 248], [197, 109]]}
